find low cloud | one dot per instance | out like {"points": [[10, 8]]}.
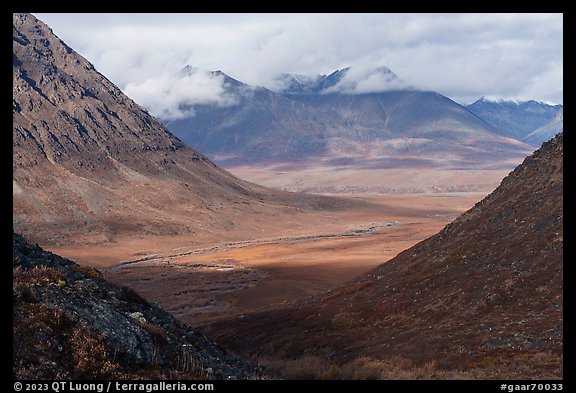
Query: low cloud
{"points": [[173, 96], [360, 80], [463, 56]]}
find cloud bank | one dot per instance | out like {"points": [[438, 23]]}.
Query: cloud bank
{"points": [[173, 96], [463, 56], [360, 80]]}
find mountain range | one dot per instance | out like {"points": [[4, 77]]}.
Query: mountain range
{"points": [[329, 120], [531, 121], [480, 299], [89, 164], [338, 81]]}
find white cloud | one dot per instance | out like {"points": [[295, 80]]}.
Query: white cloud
{"points": [[359, 80], [463, 56], [173, 96], [551, 80]]}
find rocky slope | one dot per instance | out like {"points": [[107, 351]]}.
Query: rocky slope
{"points": [[481, 299], [312, 119], [69, 323], [89, 164]]}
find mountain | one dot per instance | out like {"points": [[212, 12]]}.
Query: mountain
{"points": [[306, 84], [515, 119], [483, 298], [69, 323], [335, 120], [91, 165], [547, 131], [247, 130], [344, 80]]}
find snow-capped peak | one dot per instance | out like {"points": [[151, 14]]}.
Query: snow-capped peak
{"points": [[512, 101], [501, 100]]}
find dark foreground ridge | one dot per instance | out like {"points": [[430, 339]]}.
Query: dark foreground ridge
{"points": [[481, 299], [69, 323]]}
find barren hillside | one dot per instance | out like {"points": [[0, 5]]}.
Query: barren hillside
{"points": [[483, 297], [89, 164]]}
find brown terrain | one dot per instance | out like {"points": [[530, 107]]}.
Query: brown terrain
{"points": [[309, 177], [480, 299], [69, 323], [202, 282], [90, 165], [98, 180]]}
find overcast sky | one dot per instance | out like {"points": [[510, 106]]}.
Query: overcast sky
{"points": [[463, 56]]}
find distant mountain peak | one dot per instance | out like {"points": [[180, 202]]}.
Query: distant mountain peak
{"points": [[498, 100], [227, 79], [308, 84], [512, 101], [517, 118], [348, 80], [387, 71], [187, 70]]}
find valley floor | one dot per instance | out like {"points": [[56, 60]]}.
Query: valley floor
{"points": [[307, 177], [200, 282]]}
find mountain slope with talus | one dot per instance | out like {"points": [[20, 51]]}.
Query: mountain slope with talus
{"points": [[483, 297], [90, 164]]}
